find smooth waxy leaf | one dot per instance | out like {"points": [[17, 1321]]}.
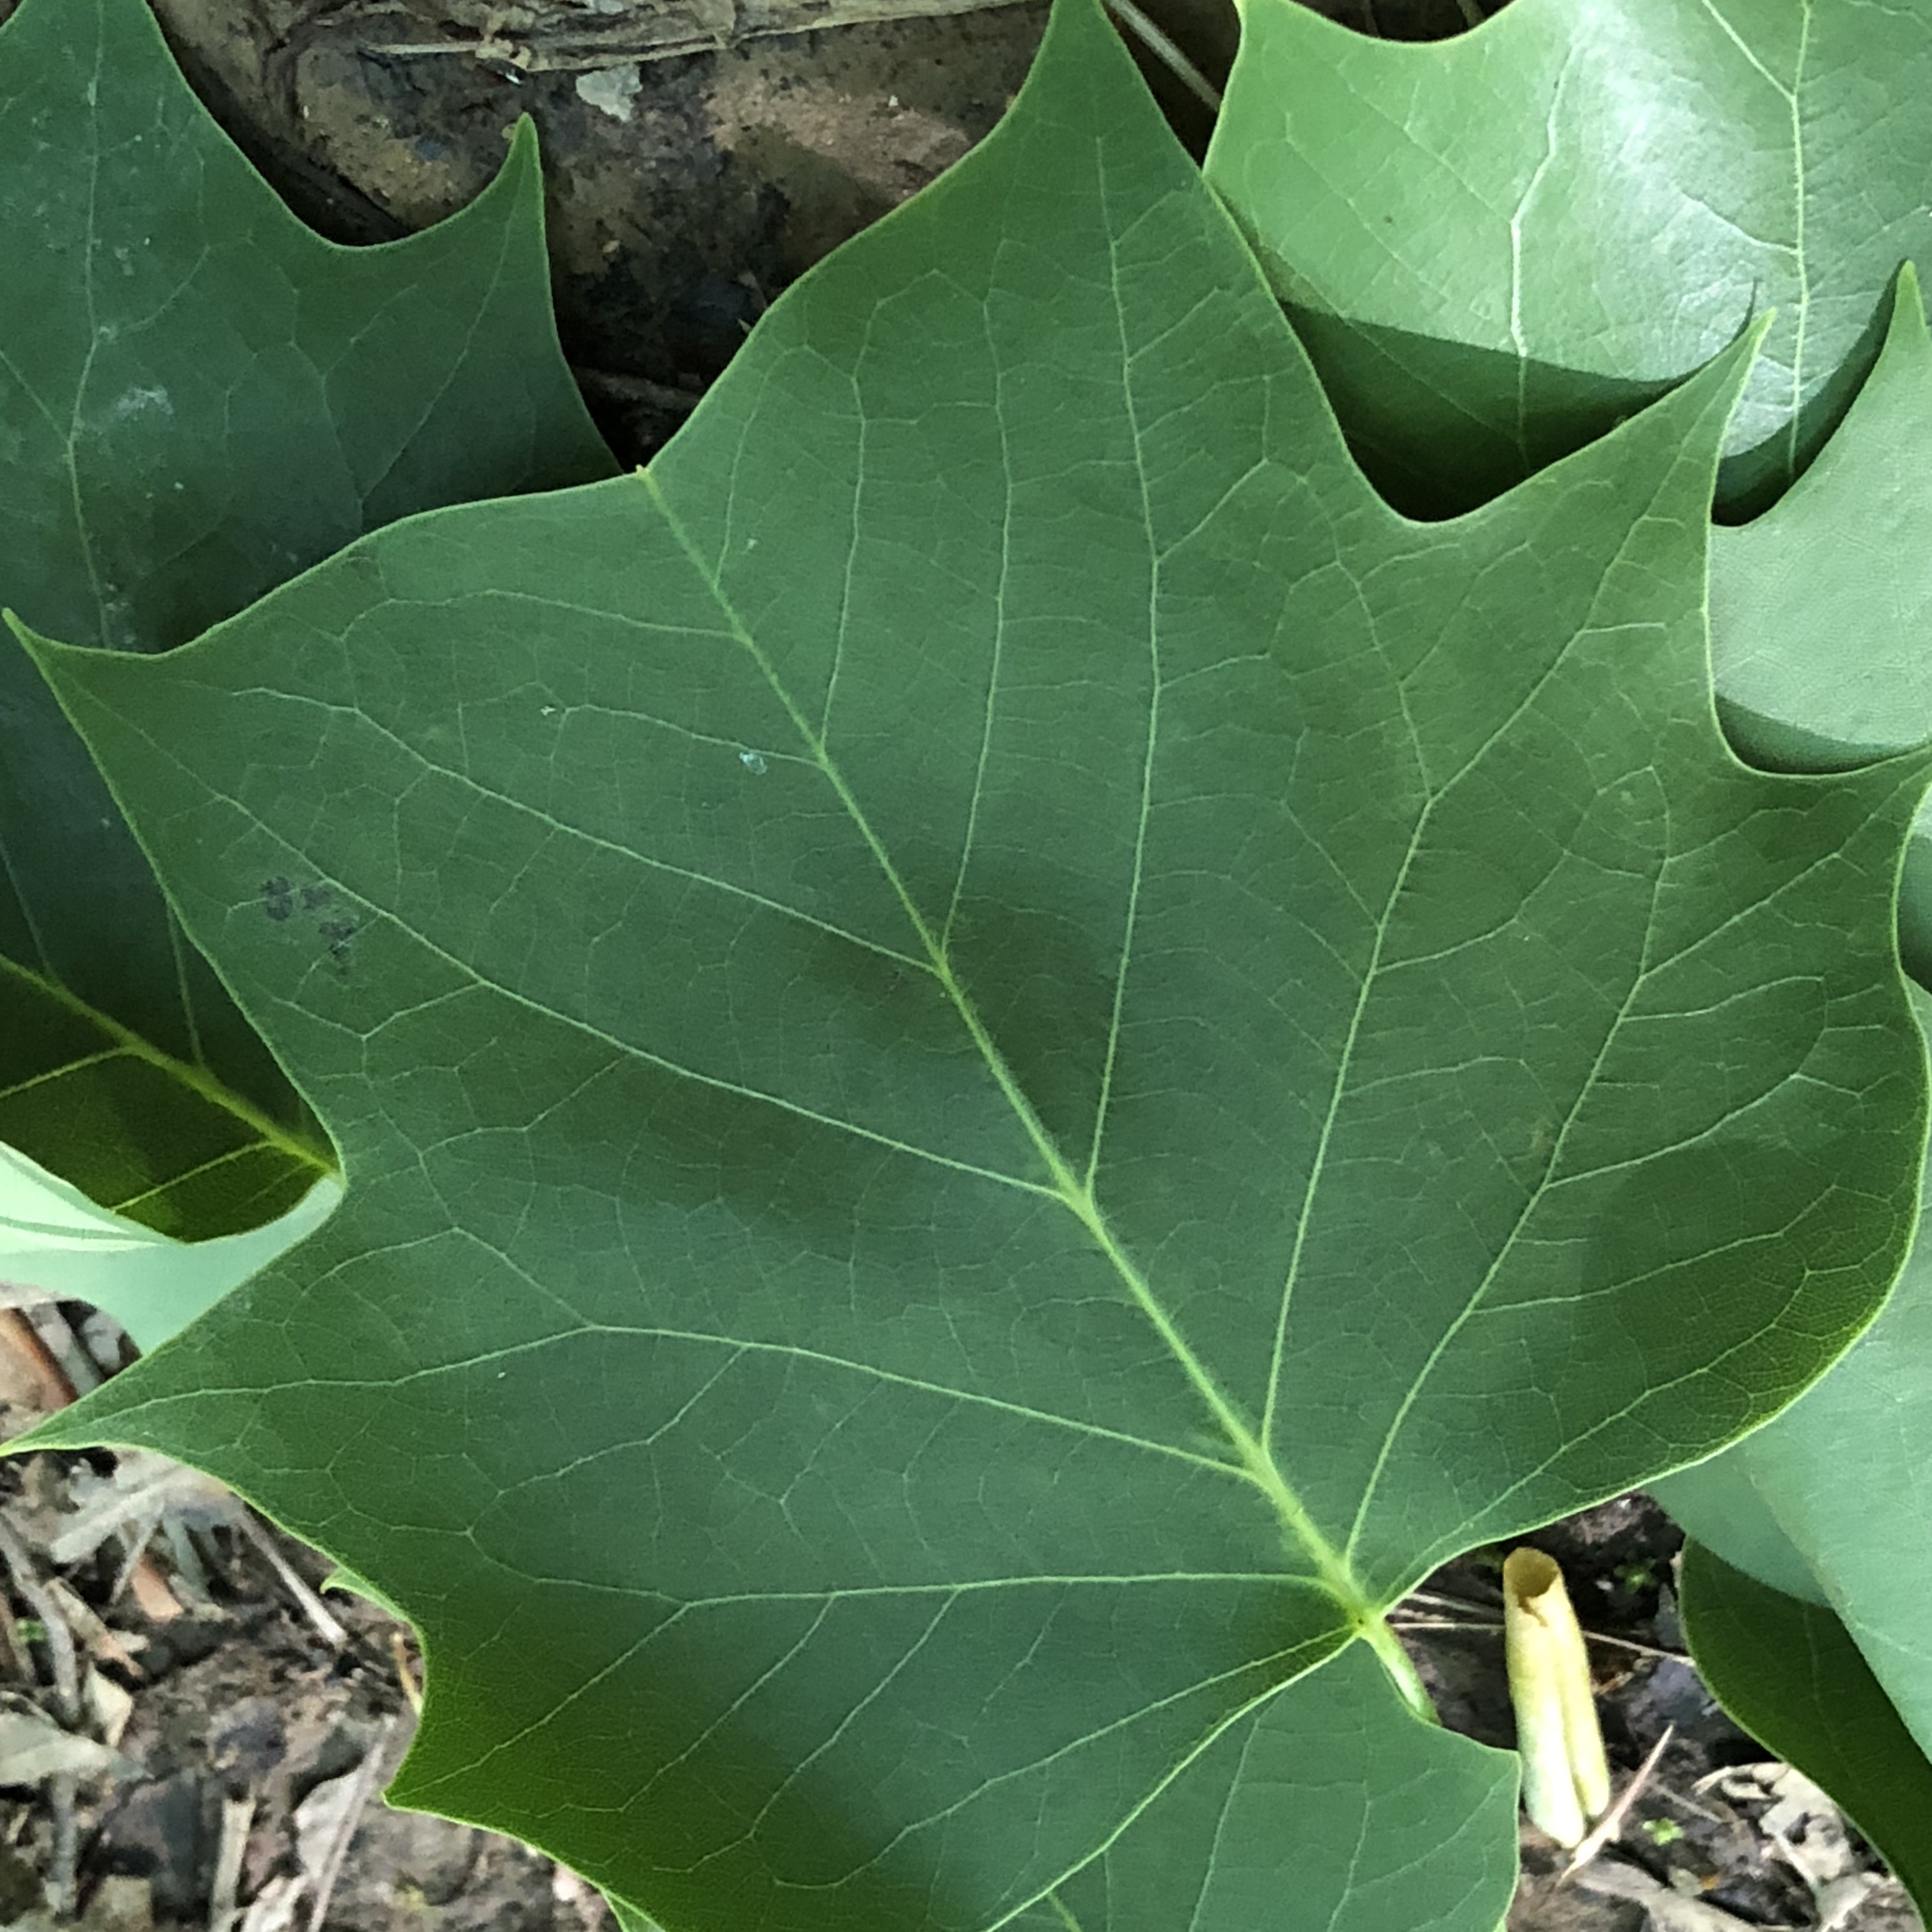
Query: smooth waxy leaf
{"points": [[1788, 1671], [1003, 1055], [199, 398], [1496, 245], [1361, 1786], [1820, 608], [1829, 1507]]}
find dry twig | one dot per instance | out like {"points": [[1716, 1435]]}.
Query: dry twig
{"points": [[1158, 43], [76, 1365], [237, 1815], [318, 1612], [1611, 1824], [62, 1787], [1486, 1624], [368, 1775], [19, 1334], [60, 1639]]}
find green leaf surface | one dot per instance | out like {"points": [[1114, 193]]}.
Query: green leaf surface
{"points": [[1003, 1055], [1837, 1490], [1366, 1789], [53, 1239], [199, 399], [1790, 1673], [1719, 1500], [1497, 244], [1820, 608]]}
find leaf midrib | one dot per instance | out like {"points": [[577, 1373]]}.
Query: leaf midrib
{"points": [[1331, 1570]]}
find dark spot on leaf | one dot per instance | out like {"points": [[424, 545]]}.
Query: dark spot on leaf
{"points": [[277, 899], [338, 932], [314, 896]]}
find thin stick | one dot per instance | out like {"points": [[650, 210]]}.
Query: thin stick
{"points": [[24, 1339], [636, 389], [13, 1643], [1589, 1637], [237, 1815], [368, 1775], [100, 1641], [1642, 1649], [331, 1632], [17, 1331], [1164, 50], [62, 1879], [62, 1788], [1434, 1602], [60, 1639], [61, 1342], [1612, 1822], [554, 53]]}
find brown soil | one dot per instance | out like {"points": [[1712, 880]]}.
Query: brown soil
{"points": [[682, 194]]}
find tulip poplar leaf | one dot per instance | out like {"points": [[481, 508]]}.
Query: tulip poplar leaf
{"points": [[1396, 1823], [199, 399], [1498, 244], [1002, 1055], [1819, 607], [1789, 1673], [1777, 1508], [57, 1245]]}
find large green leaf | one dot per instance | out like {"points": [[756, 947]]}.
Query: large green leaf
{"points": [[199, 398], [1003, 1055], [1496, 245], [1788, 1671]]}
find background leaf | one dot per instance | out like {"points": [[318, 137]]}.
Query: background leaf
{"points": [[1496, 245], [1820, 608], [199, 398], [1789, 1673], [1003, 1055], [1830, 1507], [55, 1240]]}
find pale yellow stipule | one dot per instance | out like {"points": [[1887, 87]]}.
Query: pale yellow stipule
{"points": [[1566, 1777]]}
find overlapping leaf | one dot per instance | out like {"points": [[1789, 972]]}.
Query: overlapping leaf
{"points": [[199, 398], [55, 1242], [1496, 245], [1788, 1671], [1819, 613], [1420, 206], [1827, 1512], [1003, 1053], [1820, 609]]}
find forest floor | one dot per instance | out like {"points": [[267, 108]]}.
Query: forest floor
{"points": [[200, 1739]]}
